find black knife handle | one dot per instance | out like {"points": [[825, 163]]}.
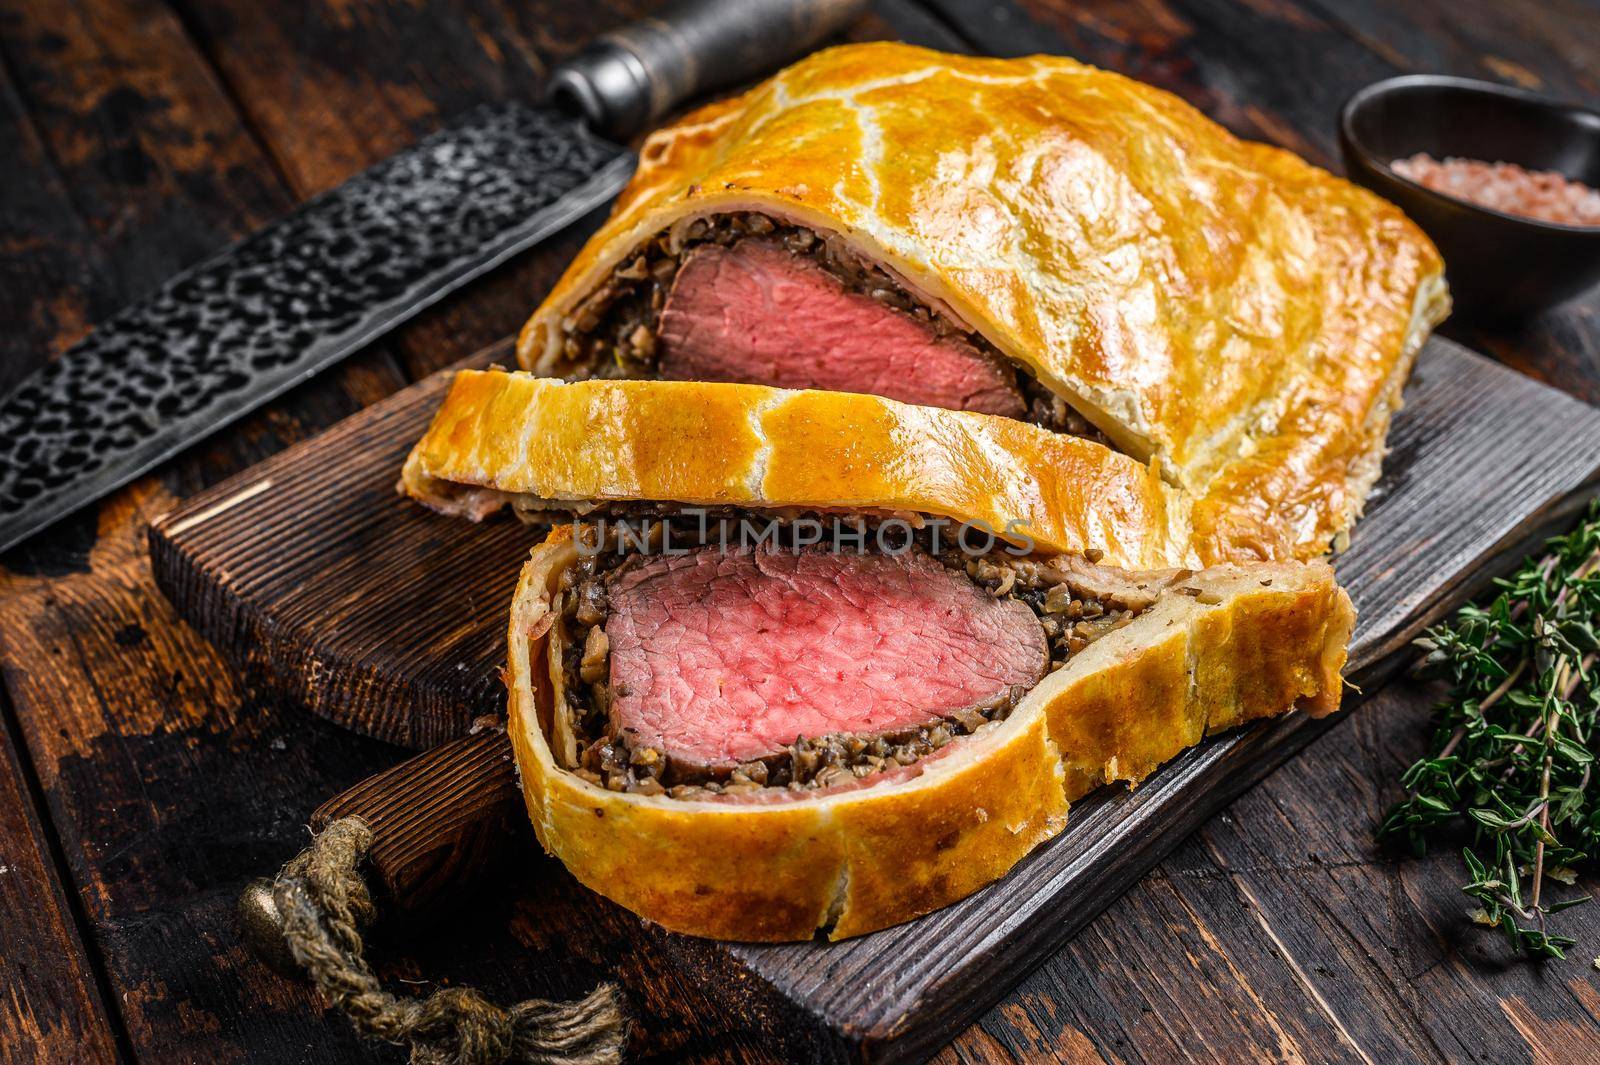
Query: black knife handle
{"points": [[631, 77]]}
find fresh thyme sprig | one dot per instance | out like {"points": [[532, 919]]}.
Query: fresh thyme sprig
{"points": [[1510, 758]]}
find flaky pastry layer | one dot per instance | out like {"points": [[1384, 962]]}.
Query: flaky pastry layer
{"points": [[715, 444]]}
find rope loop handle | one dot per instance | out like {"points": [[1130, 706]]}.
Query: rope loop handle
{"points": [[324, 902]]}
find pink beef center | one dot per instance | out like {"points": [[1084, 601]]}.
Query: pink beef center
{"points": [[757, 314], [719, 657]]}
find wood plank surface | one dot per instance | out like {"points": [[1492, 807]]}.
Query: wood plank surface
{"points": [[1276, 932], [130, 163], [1283, 915], [50, 1007]]}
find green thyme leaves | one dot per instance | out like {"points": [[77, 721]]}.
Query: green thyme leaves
{"points": [[1511, 762]]}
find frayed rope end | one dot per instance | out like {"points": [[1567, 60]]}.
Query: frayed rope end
{"points": [[324, 903]]}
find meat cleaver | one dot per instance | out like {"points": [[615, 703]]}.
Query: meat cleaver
{"points": [[289, 300]]}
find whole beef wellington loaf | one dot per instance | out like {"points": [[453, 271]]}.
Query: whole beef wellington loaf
{"points": [[783, 680], [1029, 238]]}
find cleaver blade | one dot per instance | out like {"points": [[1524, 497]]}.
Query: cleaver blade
{"points": [[304, 292]]}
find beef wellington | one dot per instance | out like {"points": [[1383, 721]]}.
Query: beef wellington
{"points": [[798, 663]]}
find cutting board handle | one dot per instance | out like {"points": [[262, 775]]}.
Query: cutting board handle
{"points": [[437, 822], [437, 819]]}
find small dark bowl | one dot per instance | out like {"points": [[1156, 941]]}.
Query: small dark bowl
{"points": [[1498, 265]]}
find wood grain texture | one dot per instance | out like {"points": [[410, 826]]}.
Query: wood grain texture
{"points": [[167, 782], [129, 164], [280, 566], [1492, 41], [1372, 957], [1276, 932], [50, 1007], [321, 603]]}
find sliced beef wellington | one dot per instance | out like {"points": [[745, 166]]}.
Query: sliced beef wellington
{"points": [[744, 298], [774, 740], [822, 662], [1029, 238], [759, 311]]}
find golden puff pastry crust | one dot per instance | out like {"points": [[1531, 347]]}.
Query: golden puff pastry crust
{"points": [[500, 434], [1221, 307], [781, 865]]}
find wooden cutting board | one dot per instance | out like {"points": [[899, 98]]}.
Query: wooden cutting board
{"points": [[323, 584]]}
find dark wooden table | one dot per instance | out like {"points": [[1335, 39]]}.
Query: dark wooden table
{"points": [[142, 782]]}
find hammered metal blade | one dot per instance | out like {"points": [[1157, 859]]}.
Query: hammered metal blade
{"points": [[228, 335]]}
